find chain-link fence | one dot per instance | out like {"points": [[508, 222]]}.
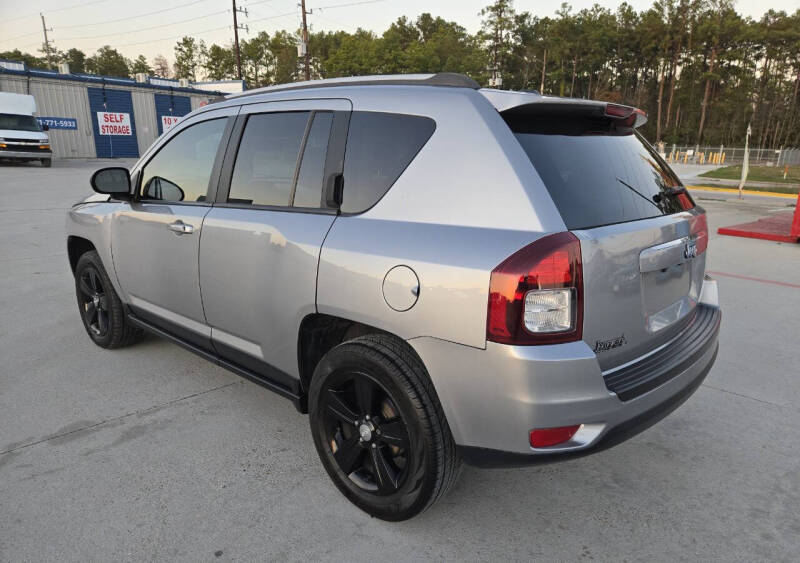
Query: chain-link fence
{"points": [[723, 155]]}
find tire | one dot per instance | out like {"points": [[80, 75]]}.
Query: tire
{"points": [[101, 310], [47, 162], [397, 460]]}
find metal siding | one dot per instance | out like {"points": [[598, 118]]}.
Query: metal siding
{"points": [[59, 99], [65, 100], [13, 84], [113, 146], [146, 119]]}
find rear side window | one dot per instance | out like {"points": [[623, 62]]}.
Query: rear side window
{"points": [[599, 178], [379, 147], [267, 159]]}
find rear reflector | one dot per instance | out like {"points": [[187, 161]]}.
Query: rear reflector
{"points": [[543, 437]]}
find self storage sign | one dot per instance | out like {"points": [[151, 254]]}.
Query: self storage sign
{"points": [[111, 123]]}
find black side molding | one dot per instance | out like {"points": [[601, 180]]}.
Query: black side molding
{"points": [[271, 378]]}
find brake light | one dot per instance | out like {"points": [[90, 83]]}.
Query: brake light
{"points": [[634, 117], [543, 437], [698, 229], [536, 294]]}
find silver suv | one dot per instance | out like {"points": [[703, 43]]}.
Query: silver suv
{"points": [[433, 271]]}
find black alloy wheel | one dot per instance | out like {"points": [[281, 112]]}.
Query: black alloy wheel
{"points": [[379, 428], [102, 312], [368, 438], [93, 301]]}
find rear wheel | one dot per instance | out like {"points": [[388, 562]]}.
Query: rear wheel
{"points": [[101, 309], [379, 428]]}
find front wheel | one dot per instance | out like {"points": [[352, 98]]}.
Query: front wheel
{"points": [[101, 309], [379, 428], [47, 162]]}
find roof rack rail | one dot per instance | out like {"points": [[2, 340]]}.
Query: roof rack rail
{"points": [[446, 79]]}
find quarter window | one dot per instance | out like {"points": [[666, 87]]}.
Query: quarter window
{"points": [[267, 159], [181, 169], [379, 147]]}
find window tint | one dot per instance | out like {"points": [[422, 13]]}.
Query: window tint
{"points": [[308, 192], [599, 179], [267, 158], [180, 171], [379, 147]]}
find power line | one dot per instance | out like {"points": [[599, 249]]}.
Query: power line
{"points": [[133, 17], [196, 33], [145, 28], [349, 4], [58, 10]]}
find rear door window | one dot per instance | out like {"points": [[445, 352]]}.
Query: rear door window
{"points": [[379, 147], [308, 191], [267, 159], [599, 178]]}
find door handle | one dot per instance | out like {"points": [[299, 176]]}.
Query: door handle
{"points": [[180, 228]]}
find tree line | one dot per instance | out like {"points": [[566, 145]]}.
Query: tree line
{"points": [[702, 71]]}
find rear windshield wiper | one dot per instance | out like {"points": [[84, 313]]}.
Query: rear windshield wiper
{"points": [[651, 201]]}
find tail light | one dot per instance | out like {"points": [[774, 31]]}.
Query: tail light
{"points": [[698, 229], [536, 294]]}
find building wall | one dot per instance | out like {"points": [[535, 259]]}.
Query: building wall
{"points": [[144, 109], [69, 98]]}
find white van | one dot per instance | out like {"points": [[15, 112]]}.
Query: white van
{"points": [[21, 136]]}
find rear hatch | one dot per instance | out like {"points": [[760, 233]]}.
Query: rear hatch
{"points": [[642, 238]]}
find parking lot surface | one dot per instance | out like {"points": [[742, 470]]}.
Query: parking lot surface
{"points": [[151, 453]]}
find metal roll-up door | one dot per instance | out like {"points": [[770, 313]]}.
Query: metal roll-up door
{"points": [[115, 133], [168, 105]]}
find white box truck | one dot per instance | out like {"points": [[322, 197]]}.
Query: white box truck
{"points": [[21, 136]]}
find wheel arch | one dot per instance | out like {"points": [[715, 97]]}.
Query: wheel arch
{"points": [[77, 246], [318, 334]]}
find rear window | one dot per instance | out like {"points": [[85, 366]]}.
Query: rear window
{"points": [[379, 147], [598, 177]]}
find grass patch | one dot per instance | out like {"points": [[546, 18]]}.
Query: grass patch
{"points": [[775, 189], [756, 174]]}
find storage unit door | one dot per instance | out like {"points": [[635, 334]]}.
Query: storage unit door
{"points": [[113, 123], [170, 106]]}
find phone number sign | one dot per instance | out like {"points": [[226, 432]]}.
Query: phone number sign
{"points": [[58, 122], [113, 123]]}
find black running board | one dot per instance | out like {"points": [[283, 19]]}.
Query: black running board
{"points": [[248, 374]]}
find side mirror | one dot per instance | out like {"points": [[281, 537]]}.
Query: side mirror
{"points": [[114, 181], [45, 128]]}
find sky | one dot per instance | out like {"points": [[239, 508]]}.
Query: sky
{"points": [[152, 27]]}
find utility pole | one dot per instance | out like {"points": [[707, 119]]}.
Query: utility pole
{"points": [[236, 29], [306, 55], [46, 42]]}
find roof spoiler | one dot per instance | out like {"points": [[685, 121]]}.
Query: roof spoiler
{"points": [[512, 103]]}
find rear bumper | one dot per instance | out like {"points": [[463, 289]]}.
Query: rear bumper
{"points": [[39, 154], [492, 398]]}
